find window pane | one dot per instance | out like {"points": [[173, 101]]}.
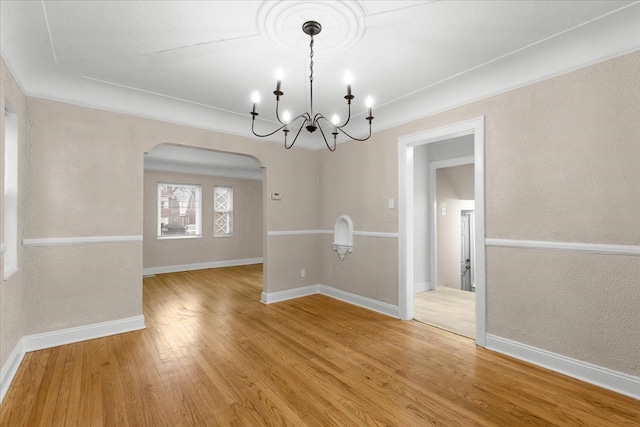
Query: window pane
{"points": [[222, 223], [223, 211], [10, 191], [179, 209]]}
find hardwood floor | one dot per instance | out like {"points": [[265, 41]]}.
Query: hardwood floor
{"points": [[450, 309], [212, 354]]}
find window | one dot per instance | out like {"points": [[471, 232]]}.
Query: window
{"points": [[10, 257], [179, 210], [223, 211]]}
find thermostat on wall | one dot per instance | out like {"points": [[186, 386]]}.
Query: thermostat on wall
{"points": [[276, 196]]}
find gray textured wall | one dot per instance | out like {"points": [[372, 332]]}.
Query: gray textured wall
{"points": [[561, 159]]}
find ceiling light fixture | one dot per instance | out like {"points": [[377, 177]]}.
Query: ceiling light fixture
{"points": [[310, 28]]}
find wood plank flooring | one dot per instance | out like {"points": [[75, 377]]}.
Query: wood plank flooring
{"points": [[447, 308], [212, 354]]}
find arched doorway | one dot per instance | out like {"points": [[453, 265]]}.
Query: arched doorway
{"points": [[202, 209]]}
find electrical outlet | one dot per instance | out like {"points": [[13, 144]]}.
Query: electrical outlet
{"points": [[302, 272]]}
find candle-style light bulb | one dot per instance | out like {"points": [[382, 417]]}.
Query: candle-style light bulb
{"points": [[369, 104], [286, 117], [255, 98], [335, 119], [279, 76], [348, 79]]}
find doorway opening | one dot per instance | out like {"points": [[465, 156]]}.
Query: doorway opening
{"points": [[202, 209], [419, 271], [448, 301]]}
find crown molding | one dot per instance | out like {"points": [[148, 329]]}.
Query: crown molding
{"points": [[604, 38]]}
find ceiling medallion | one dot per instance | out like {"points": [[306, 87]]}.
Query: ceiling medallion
{"points": [[343, 21]]}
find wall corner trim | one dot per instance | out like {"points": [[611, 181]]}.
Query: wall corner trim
{"points": [[200, 266], [422, 287], [10, 367], [62, 337], [364, 302], [619, 382]]}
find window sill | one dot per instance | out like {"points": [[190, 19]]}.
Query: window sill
{"points": [[179, 237], [8, 273], [222, 235]]}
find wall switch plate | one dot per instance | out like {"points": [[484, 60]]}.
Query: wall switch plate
{"points": [[276, 196], [302, 272], [444, 211], [392, 203]]}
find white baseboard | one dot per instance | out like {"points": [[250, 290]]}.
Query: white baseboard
{"points": [[619, 382], [62, 337], [10, 368], [82, 333], [368, 303], [272, 297], [200, 266], [422, 287]]}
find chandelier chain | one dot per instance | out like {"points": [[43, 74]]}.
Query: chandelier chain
{"points": [[311, 59], [311, 75]]}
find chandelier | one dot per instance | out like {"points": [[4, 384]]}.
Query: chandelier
{"points": [[309, 122]]}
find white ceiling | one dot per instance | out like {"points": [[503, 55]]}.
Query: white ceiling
{"points": [[197, 62]]}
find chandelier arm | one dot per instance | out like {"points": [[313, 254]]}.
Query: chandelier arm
{"points": [[297, 134], [317, 117], [278, 115], [263, 136], [304, 116], [325, 138], [348, 117], [357, 139]]}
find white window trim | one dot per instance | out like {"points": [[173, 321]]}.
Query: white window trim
{"points": [[10, 261], [230, 212], [159, 235]]}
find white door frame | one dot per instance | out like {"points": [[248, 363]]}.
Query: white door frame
{"points": [[406, 143]]}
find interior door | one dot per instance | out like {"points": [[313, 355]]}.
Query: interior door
{"points": [[466, 251]]}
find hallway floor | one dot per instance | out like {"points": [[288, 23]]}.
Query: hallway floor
{"points": [[447, 308]]}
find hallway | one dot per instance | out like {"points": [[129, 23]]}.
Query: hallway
{"points": [[447, 308]]}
